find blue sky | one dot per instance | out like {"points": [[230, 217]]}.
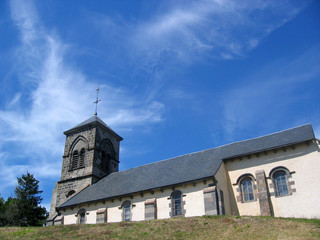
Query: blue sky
{"points": [[175, 77]]}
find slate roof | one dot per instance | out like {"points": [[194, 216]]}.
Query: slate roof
{"points": [[186, 168], [94, 120]]}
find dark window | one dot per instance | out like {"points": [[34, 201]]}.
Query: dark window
{"points": [[75, 159], [82, 216], [280, 180], [82, 153], [70, 193], [105, 158], [247, 190], [108, 161], [176, 203]]}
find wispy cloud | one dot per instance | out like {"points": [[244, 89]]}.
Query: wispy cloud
{"points": [[54, 95], [217, 28], [185, 32]]}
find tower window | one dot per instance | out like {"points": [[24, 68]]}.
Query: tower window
{"points": [[82, 154], [107, 156], [75, 159], [105, 159], [70, 193]]}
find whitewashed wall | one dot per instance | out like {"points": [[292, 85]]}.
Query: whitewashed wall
{"points": [[304, 160], [194, 205]]}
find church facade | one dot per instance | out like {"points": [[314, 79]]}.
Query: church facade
{"points": [[273, 175]]}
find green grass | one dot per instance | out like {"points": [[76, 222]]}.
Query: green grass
{"points": [[215, 227]]}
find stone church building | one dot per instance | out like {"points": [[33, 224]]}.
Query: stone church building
{"points": [[273, 175]]}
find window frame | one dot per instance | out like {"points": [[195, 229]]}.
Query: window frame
{"points": [[81, 158], [245, 192], [177, 204], [102, 214], [74, 160], [126, 208], [284, 182], [81, 216]]}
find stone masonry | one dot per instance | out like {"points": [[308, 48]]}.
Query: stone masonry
{"points": [[263, 194], [91, 137]]}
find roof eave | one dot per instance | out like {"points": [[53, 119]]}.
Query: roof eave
{"points": [[267, 149], [132, 193], [91, 125]]}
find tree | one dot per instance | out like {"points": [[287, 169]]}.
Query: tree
{"points": [[2, 209], [10, 215], [28, 200]]}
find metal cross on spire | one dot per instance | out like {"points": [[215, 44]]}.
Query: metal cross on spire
{"points": [[97, 101]]}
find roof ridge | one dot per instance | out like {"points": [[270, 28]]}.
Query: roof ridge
{"points": [[269, 134]]}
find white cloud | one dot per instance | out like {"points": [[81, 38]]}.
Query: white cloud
{"points": [[60, 97], [185, 32], [15, 100], [219, 28]]}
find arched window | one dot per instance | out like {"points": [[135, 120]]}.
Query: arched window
{"points": [[247, 190], [105, 158], [70, 193], [126, 211], [82, 216], [75, 159], [281, 183], [82, 153], [108, 160], [176, 204]]}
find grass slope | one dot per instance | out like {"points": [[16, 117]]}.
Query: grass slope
{"points": [[217, 227]]}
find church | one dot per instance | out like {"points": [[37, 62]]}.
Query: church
{"points": [[273, 175]]}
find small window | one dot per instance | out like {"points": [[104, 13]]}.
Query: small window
{"points": [[82, 216], [247, 190], [101, 216], [126, 211], [176, 203], [281, 183], [70, 193]]}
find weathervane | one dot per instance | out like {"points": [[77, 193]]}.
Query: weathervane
{"points": [[96, 101]]}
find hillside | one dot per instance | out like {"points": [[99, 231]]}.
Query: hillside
{"points": [[222, 227]]}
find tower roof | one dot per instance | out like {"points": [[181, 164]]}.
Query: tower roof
{"points": [[92, 122]]}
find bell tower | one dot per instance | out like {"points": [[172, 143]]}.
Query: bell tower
{"points": [[91, 152]]}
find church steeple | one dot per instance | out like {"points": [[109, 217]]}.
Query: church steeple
{"points": [[91, 152], [101, 150]]}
